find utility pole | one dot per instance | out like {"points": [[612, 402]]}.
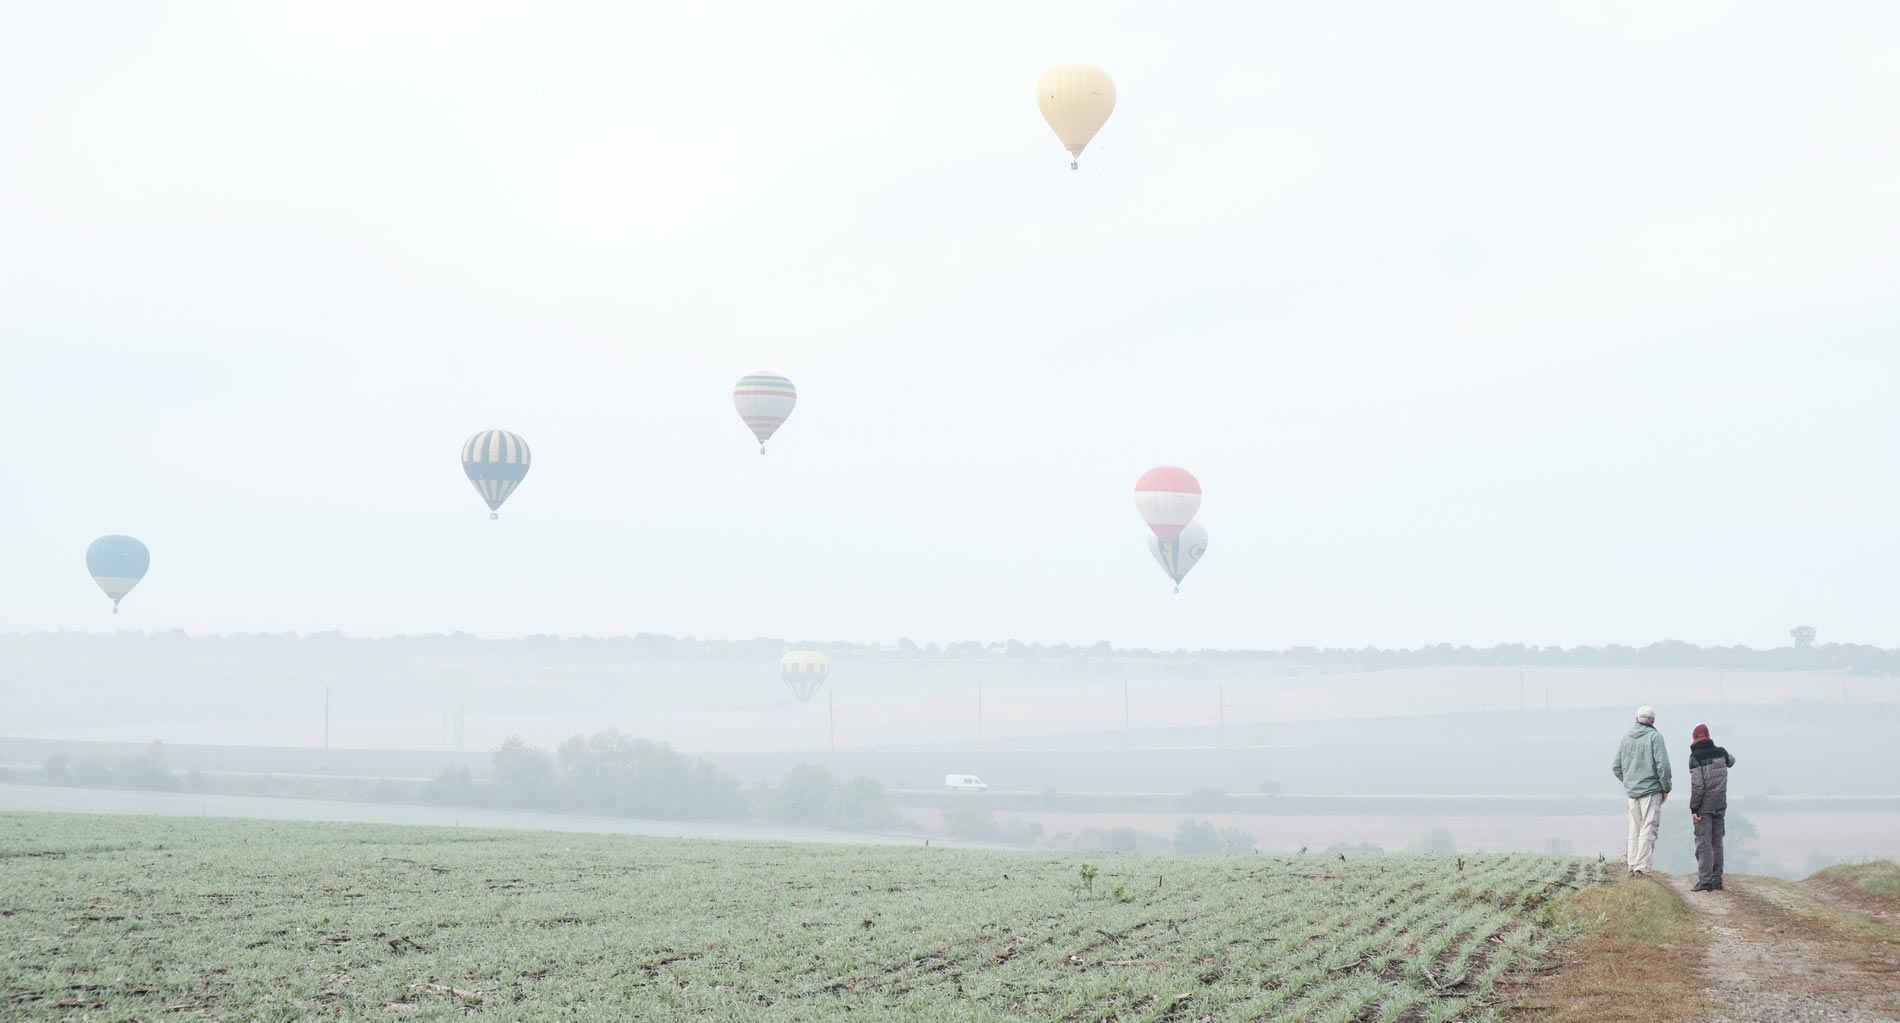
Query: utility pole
{"points": [[326, 718], [1127, 740], [979, 712], [1220, 713], [461, 725], [1520, 691], [831, 723]]}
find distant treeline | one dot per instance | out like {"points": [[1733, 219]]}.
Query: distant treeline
{"points": [[609, 774], [614, 774], [1803, 656]]}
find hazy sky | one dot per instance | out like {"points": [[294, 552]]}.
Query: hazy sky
{"points": [[1555, 322]]}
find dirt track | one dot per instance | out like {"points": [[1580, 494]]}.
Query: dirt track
{"points": [[1789, 953]]}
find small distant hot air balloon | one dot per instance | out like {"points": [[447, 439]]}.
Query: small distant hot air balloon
{"points": [[117, 563], [1076, 100], [496, 461], [764, 401], [1179, 555], [1167, 498], [804, 671]]}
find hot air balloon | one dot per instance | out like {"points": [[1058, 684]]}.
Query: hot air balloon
{"points": [[804, 671], [1179, 555], [1076, 100], [764, 401], [1167, 498], [117, 563], [495, 461]]}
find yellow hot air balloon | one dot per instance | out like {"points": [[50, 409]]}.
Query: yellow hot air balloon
{"points": [[1076, 100]]}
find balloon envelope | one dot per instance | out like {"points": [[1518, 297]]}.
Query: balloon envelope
{"points": [[1179, 555], [804, 671], [496, 461], [117, 563], [1076, 100], [765, 402], [1167, 498]]}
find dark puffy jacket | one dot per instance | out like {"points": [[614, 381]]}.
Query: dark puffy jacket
{"points": [[1708, 778]]}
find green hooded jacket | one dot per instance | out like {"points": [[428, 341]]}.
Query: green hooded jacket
{"points": [[1642, 762]]}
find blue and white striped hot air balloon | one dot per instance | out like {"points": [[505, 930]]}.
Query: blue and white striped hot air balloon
{"points": [[495, 461], [1180, 554], [117, 563]]}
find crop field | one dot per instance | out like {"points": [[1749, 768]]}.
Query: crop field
{"points": [[135, 917]]}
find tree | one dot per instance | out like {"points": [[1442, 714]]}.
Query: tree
{"points": [[804, 797], [861, 805], [524, 776], [1192, 836], [1803, 636], [455, 786]]}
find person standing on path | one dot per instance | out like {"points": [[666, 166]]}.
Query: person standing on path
{"points": [[1708, 805], [1642, 765]]}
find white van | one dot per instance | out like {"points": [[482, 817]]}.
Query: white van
{"points": [[964, 783]]}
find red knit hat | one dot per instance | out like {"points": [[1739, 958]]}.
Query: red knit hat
{"points": [[1701, 734]]}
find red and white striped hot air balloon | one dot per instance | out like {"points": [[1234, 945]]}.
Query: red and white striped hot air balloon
{"points": [[1167, 497]]}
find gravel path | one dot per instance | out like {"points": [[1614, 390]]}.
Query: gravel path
{"points": [[1764, 973]]}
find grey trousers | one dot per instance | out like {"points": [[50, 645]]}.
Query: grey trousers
{"points": [[1708, 848]]}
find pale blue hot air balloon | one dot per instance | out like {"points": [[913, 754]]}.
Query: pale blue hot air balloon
{"points": [[117, 563], [1179, 555]]}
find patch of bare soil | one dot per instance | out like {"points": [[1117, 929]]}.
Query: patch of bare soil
{"points": [[1779, 953]]}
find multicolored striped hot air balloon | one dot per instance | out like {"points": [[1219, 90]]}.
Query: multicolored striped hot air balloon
{"points": [[1167, 498], [804, 671], [117, 563], [496, 461], [1179, 555], [765, 402]]}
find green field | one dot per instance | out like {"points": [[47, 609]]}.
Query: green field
{"points": [[105, 917]]}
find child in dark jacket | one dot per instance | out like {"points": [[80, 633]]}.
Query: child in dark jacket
{"points": [[1708, 805]]}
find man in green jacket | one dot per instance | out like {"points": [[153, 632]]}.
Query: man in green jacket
{"points": [[1642, 765]]}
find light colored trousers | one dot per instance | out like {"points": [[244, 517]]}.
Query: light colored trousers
{"points": [[1645, 821]]}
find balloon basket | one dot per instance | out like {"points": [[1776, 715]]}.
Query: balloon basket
{"points": [[493, 516]]}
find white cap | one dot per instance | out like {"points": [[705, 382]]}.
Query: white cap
{"points": [[1645, 713]]}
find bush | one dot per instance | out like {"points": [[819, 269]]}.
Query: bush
{"points": [[614, 773], [861, 805], [1192, 836], [455, 786], [524, 776], [1236, 840], [804, 797]]}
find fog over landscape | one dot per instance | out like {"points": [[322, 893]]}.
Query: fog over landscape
{"points": [[1277, 457]]}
